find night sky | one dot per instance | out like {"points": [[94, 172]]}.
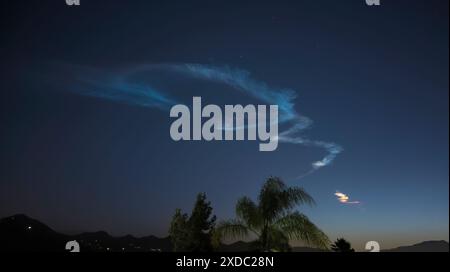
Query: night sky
{"points": [[374, 80]]}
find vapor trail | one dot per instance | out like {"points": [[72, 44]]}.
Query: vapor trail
{"points": [[284, 98], [123, 87]]}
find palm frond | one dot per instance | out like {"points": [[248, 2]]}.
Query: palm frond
{"points": [[276, 199], [248, 211], [272, 199], [298, 226], [277, 240], [233, 229], [297, 195]]}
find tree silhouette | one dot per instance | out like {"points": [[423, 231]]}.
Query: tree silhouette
{"points": [[179, 231], [193, 233], [272, 219], [342, 245]]}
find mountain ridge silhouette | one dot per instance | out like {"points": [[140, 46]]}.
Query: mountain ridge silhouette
{"points": [[22, 233]]}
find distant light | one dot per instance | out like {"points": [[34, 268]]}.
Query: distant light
{"points": [[29, 227]]}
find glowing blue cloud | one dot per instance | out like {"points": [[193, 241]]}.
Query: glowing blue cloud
{"points": [[123, 87], [118, 87], [241, 80]]}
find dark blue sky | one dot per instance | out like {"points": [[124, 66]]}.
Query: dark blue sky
{"points": [[373, 79]]}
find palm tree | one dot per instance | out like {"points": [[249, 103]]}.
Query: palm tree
{"points": [[341, 245], [272, 220]]}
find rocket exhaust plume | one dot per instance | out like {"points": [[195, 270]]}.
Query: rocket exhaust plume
{"points": [[344, 199], [125, 86]]}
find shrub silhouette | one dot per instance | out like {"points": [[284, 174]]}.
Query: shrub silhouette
{"points": [[342, 245]]}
